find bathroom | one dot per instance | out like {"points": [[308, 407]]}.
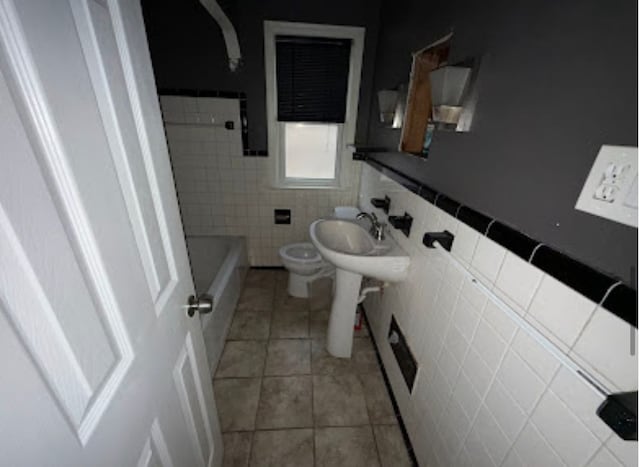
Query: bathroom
{"points": [[549, 86]]}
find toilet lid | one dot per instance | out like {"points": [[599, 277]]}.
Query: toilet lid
{"points": [[301, 252]]}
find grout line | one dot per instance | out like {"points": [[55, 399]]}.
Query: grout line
{"points": [[486, 231], [483, 396], [375, 443], [533, 253], [251, 444], [533, 296], [591, 316], [366, 404]]}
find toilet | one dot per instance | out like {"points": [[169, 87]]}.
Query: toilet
{"points": [[305, 265]]}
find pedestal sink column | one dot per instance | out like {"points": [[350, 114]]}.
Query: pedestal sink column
{"points": [[343, 313]]}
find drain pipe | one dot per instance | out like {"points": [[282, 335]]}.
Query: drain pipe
{"points": [[367, 290], [228, 32]]}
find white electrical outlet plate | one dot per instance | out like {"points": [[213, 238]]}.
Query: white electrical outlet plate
{"points": [[611, 189]]}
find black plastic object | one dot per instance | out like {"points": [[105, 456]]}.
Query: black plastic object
{"points": [[620, 412], [382, 203], [229, 125], [402, 223], [443, 238], [402, 352], [282, 216]]}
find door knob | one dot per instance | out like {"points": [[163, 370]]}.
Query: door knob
{"points": [[202, 303]]}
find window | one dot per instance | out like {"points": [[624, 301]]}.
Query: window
{"points": [[313, 79], [310, 150]]}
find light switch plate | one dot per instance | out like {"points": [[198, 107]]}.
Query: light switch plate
{"points": [[611, 189]]}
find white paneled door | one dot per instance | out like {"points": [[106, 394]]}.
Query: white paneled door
{"points": [[100, 364]]}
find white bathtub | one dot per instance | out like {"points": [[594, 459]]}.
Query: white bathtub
{"points": [[219, 265]]}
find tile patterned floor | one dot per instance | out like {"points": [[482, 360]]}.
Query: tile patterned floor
{"points": [[284, 401]]}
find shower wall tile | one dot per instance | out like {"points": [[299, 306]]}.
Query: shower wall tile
{"points": [[220, 192], [609, 347], [487, 393], [519, 281], [552, 296]]}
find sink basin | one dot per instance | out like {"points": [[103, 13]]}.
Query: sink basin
{"points": [[355, 253], [349, 246]]}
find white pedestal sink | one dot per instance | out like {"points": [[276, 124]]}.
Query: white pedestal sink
{"points": [[354, 253]]}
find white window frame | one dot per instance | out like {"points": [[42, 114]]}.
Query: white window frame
{"points": [[346, 134]]}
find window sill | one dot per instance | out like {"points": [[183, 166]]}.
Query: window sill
{"points": [[308, 185]]}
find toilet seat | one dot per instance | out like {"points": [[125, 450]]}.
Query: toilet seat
{"points": [[301, 253], [305, 264]]}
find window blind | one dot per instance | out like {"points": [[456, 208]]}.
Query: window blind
{"points": [[312, 75]]}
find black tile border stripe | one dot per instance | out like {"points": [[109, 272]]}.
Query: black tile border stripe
{"points": [[580, 277], [406, 182], [622, 297], [447, 204], [474, 219], [428, 194], [588, 281], [244, 121], [517, 242]]}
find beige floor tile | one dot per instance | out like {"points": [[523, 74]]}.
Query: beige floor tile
{"points": [[237, 448], [391, 447], [237, 403], [288, 357], [256, 299], [282, 278], [377, 398], [285, 402], [338, 400], [242, 359], [364, 356], [322, 363], [345, 447], [282, 448], [290, 324], [261, 278], [318, 322], [285, 302], [321, 294], [250, 325]]}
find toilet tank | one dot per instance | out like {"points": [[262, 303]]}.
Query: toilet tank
{"points": [[345, 212]]}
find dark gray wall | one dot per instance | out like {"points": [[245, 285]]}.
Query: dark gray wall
{"points": [[187, 48], [558, 79]]}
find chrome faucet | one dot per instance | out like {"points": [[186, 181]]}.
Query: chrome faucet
{"points": [[377, 228]]}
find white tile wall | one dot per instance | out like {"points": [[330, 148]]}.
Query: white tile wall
{"points": [[223, 193], [606, 345], [486, 393]]}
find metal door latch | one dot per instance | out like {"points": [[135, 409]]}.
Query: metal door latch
{"points": [[203, 303]]}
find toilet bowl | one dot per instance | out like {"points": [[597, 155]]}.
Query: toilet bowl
{"points": [[305, 265]]}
